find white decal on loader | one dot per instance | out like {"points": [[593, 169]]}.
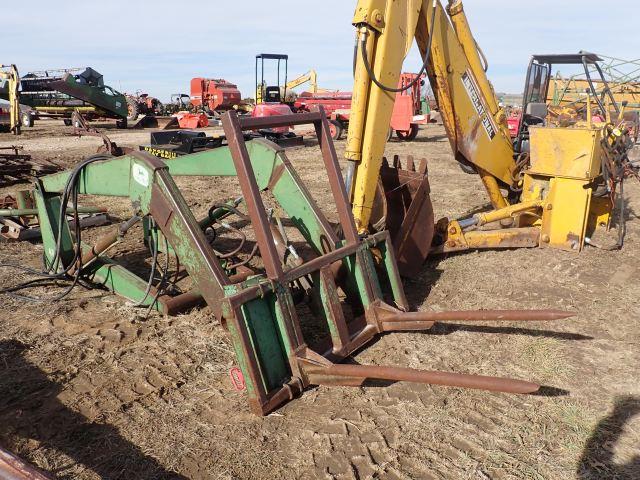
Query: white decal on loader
{"points": [[470, 85]]}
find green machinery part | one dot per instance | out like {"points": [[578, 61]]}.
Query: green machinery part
{"points": [[274, 352]]}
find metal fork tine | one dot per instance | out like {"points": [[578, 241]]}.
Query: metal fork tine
{"points": [[479, 316], [331, 374]]}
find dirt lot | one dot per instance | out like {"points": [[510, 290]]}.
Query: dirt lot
{"points": [[90, 389]]}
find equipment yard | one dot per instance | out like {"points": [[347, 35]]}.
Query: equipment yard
{"points": [[93, 388], [398, 273]]}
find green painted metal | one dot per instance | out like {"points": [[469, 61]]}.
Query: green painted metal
{"points": [[48, 205], [262, 325], [28, 212], [104, 97], [109, 274]]}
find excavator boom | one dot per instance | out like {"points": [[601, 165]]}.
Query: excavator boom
{"points": [[311, 76], [475, 124], [560, 177]]}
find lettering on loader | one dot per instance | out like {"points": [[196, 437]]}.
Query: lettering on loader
{"points": [[470, 85]]}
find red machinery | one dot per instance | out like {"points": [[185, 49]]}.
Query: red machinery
{"points": [[409, 110], [142, 104], [213, 95], [269, 101]]}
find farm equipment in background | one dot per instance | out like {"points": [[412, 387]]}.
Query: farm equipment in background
{"points": [[290, 96], [214, 96], [622, 79], [555, 186], [167, 118], [270, 101], [58, 93], [143, 104], [296, 313], [10, 91], [81, 128], [17, 167], [409, 112], [169, 145], [180, 102], [311, 76]]}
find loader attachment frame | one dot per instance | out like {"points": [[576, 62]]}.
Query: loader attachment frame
{"points": [[277, 360]]}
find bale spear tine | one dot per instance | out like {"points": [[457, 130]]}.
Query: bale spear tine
{"points": [[479, 316], [330, 374]]}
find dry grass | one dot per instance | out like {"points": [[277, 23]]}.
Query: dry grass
{"points": [[96, 390]]}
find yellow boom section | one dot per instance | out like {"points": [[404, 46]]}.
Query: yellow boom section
{"points": [[311, 76], [475, 124], [10, 74]]}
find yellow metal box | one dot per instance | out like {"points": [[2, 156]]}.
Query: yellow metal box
{"points": [[572, 152]]}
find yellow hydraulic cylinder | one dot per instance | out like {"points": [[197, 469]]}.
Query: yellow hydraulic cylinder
{"points": [[491, 185], [508, 212], [389, 30], [359, 99]]}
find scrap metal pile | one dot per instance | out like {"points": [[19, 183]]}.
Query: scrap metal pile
{"points": [[271, 294], [16, 167]]}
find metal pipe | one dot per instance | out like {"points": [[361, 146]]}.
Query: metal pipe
{"points": [[14, 468], [468, 222], [399, 374], [507, 212], [28, 212], [480, 316], [106, 241]]}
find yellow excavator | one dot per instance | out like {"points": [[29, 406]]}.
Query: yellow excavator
{"points": [[311, 76], [11, 84], [551, 187]]}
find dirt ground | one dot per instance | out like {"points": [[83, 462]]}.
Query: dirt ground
{"points": [[90, 388]]}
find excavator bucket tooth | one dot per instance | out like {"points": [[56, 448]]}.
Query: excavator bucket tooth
{"points": [[403, 206]]}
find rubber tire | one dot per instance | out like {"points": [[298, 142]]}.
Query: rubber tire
{"points": [[408, 137], [336, 129], [67, 122], [133, 109], [158, 109], [27, 119]]}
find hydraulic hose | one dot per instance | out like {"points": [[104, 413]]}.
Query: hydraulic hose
{"points": [[367, 65]]}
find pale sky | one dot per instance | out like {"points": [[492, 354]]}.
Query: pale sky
{"points": [[158, 46]]}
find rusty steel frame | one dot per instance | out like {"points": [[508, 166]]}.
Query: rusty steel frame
{"points": [[259, 310], [307, 365]]}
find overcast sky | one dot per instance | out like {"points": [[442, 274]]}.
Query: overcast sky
{"points": [[158, 46]]}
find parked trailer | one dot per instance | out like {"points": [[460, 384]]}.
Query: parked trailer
{"points": [[409, 111]]}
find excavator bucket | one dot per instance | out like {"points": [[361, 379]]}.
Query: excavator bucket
{"points": [[161, 123], [403, 206]]}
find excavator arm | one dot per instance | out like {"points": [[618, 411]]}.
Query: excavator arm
{"points": [[475, 124], [555, 182], [311, 76]]}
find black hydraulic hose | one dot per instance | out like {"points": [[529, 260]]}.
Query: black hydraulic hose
{"points": [[51, 274], [622, 226], [367, 66], [154, 264]]}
